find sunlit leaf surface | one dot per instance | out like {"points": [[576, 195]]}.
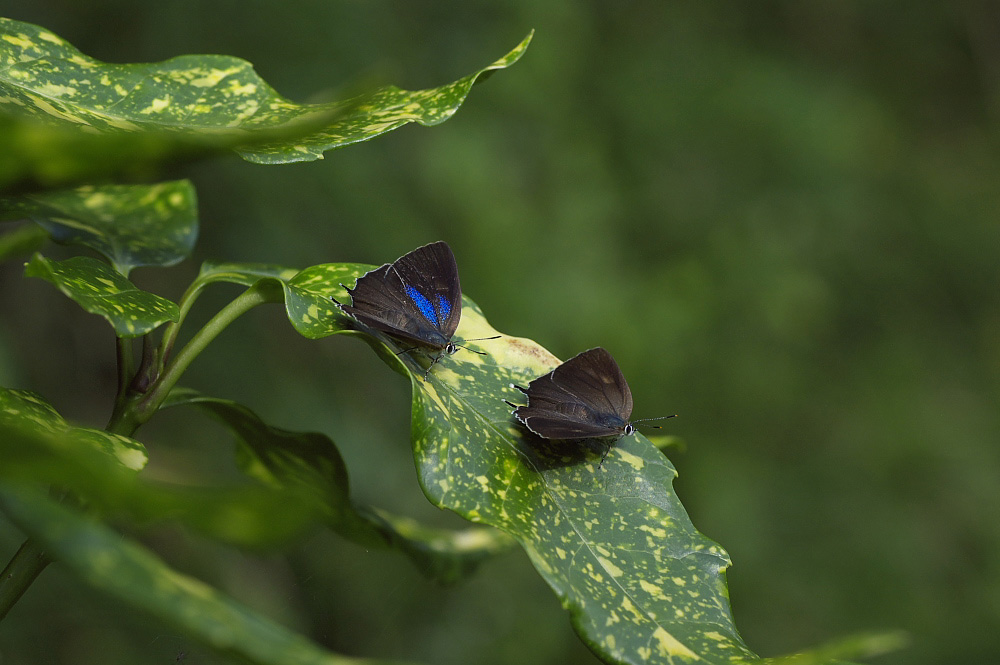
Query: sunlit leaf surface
{"points": [[615, 543], [101, 290], [43, 76], [134, 225]]}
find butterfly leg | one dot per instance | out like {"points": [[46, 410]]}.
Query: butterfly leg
{"points": [[607, 451], [434, 361]]}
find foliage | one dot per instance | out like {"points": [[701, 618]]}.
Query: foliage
{"points": [[314, 318]]}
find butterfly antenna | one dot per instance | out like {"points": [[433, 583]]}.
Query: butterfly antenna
{"points": [[482, 353], [477, 339], [643, 420]]}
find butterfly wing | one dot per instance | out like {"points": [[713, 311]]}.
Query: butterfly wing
{"points": [[586, 396], [549, 426], [431, 274], [417, 298]]}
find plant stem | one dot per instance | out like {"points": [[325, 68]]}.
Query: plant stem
{"points": [[20, 572], [258, 294], [174, 327], [126, 366]]}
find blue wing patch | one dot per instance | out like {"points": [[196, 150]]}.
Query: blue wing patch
{"points": [[443, 309], [423, 304]]}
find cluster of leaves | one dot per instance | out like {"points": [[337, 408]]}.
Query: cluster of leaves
{"points": [[614, 543]]}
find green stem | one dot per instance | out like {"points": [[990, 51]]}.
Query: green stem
{"points": [[174, 327], [258, 294], [20, 572], [126, 366]]}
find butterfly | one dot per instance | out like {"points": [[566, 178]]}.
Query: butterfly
{"points": [[585, 397], [417, 299]]}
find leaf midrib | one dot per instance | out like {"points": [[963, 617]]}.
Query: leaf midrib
{"points": [[584, 541]]}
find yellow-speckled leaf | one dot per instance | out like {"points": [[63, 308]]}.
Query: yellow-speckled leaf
{"points": [[642, 585], [100, 289], [382, 111], [311, 462], [132, 225], [111, 563], [27, 411], [308, 293], [44, 77], [614, 542]]}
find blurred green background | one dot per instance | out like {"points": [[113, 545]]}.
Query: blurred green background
{"points": [[780, 217]]}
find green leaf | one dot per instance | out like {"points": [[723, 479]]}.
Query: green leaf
{"points": [[36, 155], [21, 241], [382, 111], [132, 225], [113, 564], [38, 448], [27, 411], [310, 461], [864, 645], [101, 290], [642, 585], [614, 542], [44, 77], [245, 274]]}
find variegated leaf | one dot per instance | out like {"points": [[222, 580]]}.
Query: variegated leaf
{"points": [[101, 290], [42, 76], [133, 225], [642, 585]]}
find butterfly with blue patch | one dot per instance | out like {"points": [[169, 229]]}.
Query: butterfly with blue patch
{"points": [[416, 299]]}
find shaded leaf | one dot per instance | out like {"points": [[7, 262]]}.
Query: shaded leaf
{"points": [[133, 225], [854, 646], [310, 461], [36, 155], [101, 290], [27, 411], [21, 241], [113, 564], [44, 77], [243, 273], [77, 460], [443, 555]]}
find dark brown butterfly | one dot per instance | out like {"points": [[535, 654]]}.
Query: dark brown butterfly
{"points": [[417, 299], [585, 397]]}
